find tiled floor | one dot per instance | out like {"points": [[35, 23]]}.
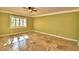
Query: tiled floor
{"points": [[36, 42], [40, 42], [13, 43]]}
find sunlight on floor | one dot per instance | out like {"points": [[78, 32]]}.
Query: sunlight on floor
{"points": [[17, 42]]}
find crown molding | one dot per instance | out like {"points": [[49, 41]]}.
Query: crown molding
{"points": [[60, 12], [53, 13], [11, 12]]}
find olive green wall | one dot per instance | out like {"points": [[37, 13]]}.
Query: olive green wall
{"points": [[5, 24], [65, 25]]}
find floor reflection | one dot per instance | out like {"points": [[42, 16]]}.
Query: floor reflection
{"points": [[17, 42]]}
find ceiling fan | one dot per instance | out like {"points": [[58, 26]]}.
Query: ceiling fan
{"points": [[31, 9]]}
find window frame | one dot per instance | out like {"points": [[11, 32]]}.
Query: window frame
{"points": [[21, 22]]}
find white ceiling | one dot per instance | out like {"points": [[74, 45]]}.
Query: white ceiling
{"points": [[41, 10]]}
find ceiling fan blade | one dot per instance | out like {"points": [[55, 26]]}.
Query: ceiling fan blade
{"points": [[30, 9]]}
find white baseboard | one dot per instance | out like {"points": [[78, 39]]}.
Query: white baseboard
{"points": [[55, 36], [13, 33], [41, 33]]}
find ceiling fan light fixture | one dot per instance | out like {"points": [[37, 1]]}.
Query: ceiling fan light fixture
{"points": [[30, 10], [30, 7]]}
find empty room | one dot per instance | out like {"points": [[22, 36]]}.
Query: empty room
{"points": [[39, 28]]}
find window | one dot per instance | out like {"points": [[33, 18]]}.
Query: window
{"points": [[17, 22], [13, 22]]}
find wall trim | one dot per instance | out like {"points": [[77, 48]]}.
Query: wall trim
{"points": [[60, 12], [41, 33], [56, 36], [12, 12], [53, 13], [14, 33]]}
